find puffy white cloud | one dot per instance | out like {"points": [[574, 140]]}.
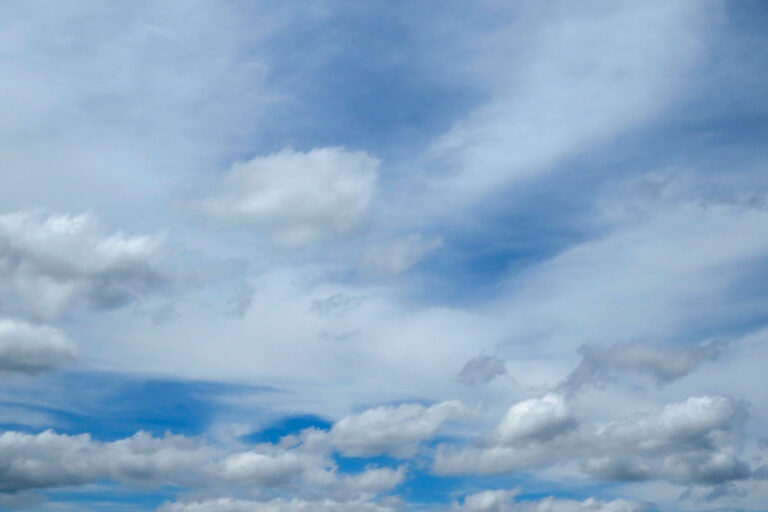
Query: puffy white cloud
{"points": [[663, 363], [277, 505], [47, 261], [396, 256], [29, 461], [501, 500], [29, 348], [537, 419], [497, 500], [481, 369], [691, 442], [396, 430], [298, 198]]}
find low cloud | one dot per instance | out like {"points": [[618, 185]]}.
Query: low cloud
{"points": [[297, 198], [29, 348], [690, 442], [47, 261]]}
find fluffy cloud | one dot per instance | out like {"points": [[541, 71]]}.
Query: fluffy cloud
{"points": [[691, 442], [47, 261], [663, 363], [501, 501], [29, 461], [32, 348], [394, 430], [48, 459], [537, 419], [296, 197], [277, 505], [481, 369]]}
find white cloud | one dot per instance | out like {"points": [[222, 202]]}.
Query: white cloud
{"points": [[396, 430], [47, 261], [487, 501], [32, 348], [277, 505], [298, 198], [537, 419], [691, 442], [501, 500]]}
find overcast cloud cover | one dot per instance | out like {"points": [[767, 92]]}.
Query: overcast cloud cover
{"points": [[494, 256]]}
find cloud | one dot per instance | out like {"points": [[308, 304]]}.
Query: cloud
{"points": [[32, 348], [276, 505], [501, 500], [564, 79], [297, 198], [48, 459], [49, 260], [537, 419], [664, 364], [690, 442], [394, 430], [399, 255], [487, 501], [481, 369]]}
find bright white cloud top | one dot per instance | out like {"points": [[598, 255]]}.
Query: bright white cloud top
{"points": [[357, 256]]}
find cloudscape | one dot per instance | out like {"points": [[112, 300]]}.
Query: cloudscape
{"points": [[384, 256]]}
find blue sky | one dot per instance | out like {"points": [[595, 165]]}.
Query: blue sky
{"points": [[383, 256]]}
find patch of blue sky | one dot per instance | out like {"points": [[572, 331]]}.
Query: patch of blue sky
{"points": [[363, 77], [111, 406]]}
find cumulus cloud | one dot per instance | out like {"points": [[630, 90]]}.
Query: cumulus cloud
{"points": [[501, 500], [537, 419], [481, 369], [48, 459], [297, 198], [662, 363], [396, 256], [497, 500], [395, 430], [276, 505], [690, 442], [29, 348], [47, 261]]}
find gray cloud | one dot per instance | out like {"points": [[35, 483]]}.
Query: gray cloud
{"points": [[47, 261], [32, 348], [481, 369], [691, 442], [664, 364]]}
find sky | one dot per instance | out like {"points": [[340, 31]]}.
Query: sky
{"points": [[384, 256]]}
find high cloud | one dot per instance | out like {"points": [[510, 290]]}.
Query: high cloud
{"points": [[297, 198]]}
